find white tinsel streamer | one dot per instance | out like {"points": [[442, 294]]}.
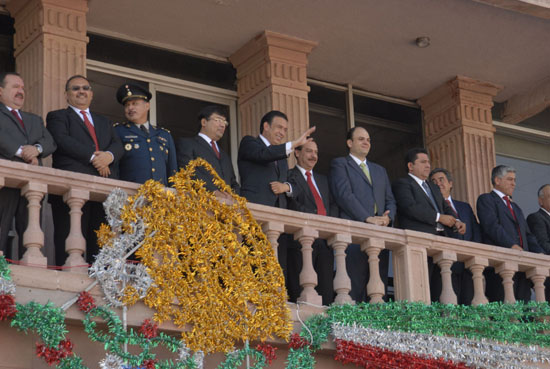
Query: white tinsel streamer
{"points": [[110, 268], [478, 353], [111, 362], [7, 287], [198, 357]]}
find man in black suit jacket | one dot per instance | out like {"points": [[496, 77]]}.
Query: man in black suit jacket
{"points": [[420, 207], [87, 143], [212, 125], [23, 138], [503, 224], [539, 224], [312, 195], [364, 199], [463, 284]]}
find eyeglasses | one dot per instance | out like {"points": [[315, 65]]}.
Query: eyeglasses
{"points": [[220, 120], [85, 88]]}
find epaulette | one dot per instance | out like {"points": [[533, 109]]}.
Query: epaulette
{"points": [[164, 129], [116, 124]]}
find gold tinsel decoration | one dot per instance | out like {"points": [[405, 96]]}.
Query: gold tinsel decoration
{"points": [[214, 272]]}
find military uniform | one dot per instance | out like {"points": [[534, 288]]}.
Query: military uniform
{"points": [[146, 157]]}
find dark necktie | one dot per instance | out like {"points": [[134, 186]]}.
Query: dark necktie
{"points": [[144, 129], [509, 204], [318, 201], [18, 117], [429, 193], [455, 214], [215, 149], [91, 128]]}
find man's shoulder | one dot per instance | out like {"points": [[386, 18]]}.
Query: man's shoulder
{"points": [[404, 180], [58, 112], [538, 216]]}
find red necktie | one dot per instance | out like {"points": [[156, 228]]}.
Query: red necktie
{"points": [[453, 209], [90, 128], [215, 149], [318, 201], [18, 117], [507, 199]]}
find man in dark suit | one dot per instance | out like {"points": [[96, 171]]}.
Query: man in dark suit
{"points": [[86, 143], [23, 138], [362, 191], [503, 224], [212, 125], [420, 207], [150, 152], [312, 195], [463, 284], [539, 224]]}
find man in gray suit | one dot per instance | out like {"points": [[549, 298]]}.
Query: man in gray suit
{"points": [[363, 193], [23, 138]]}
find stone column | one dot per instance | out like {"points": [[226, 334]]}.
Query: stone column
{"points": [[308, 276], [375, 287], [273, 230], [33, 237], [445, 260], [507, 271], [271, 75], [538, 276], [75, 244], [459, 133], [50, 46], [477, 265], [410, 265], [342, 283]]}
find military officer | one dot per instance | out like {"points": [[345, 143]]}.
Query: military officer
{"points": [[149, 152]]}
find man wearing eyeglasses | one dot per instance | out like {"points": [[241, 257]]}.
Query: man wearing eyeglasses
{"points": [[212, 125], [86, 143]]}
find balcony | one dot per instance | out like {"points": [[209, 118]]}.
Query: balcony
{"points": [[35, 282]]}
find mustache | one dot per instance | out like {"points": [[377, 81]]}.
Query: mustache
{"points": [[19, 94]]}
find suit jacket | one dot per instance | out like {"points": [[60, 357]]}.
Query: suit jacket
{"points": [[354, 194], [258, 166], [498, 225], [75, 145], [12, 135], [539, 224], [196, 147], [302, 198], [414, 208], [466, 215]]}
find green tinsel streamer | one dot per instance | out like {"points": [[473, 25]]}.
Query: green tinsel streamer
{"points": [[4, 269], [71, 362], [235, 359], [300, 359], [47, 321]]}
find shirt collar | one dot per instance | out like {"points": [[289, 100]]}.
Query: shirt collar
{"points": [[546, 211], [417, 180], [206, 138], [357, 160], [266, 142], [87, 110], [500, 194], [303, 171]]}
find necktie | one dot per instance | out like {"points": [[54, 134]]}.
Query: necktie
{"points": [[429, 193], [365, 170], [144, 129], [215, 149], [318, 201], [509, 204], [90, 128], [455, 214], [18, 117]]}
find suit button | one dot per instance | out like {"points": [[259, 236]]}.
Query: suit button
{"points": [[150, 149], [148, 140], [153, 169], [152, 158]]}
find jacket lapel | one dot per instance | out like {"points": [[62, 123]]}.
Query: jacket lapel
{"points": [[6, 111], [78, 121], [305, 187], [357, 169], [502, 205]]}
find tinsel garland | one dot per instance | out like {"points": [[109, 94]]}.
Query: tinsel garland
{"points": [[236, 358]]}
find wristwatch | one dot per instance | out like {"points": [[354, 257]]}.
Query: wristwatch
{"points": [[39, 148]]}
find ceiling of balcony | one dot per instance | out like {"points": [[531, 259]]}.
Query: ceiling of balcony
{"points": [[368, 43]]}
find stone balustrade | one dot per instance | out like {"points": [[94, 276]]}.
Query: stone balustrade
{"points": [[410, 249]]}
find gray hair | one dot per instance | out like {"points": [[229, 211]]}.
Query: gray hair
{"points": [[541, 189], [442, 170], [500, 171]]}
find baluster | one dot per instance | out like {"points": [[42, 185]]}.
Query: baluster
{"points": [[273, 230], [33, 237], [308, 276], [75, 244], [445, 260], [538, 276], [342, 283], [507, 271], [375, 287], [477, 265]]}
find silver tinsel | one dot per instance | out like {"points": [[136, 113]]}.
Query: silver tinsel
{"points": [[477, 353], [111, 362], [7, 287], [110, 268], [184, 352]]}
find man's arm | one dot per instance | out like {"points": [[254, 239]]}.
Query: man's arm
{"points": [[341, 189], [46, 141], [540, 231], [253, 150], [57, 123], [408, 206]]}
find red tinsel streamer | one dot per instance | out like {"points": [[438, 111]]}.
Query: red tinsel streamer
{"points": [[297, 342], [370, 357], [85, 302], [149, 329], [150, 363], [54, 355], [268, 351], [7, 307]]}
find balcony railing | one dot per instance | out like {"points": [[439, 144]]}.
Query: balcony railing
{"points": [[410, 249]]}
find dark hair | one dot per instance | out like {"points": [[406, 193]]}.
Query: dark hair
{"points": [[442, 170], [3, 76], [207, 112], [269, 118], [500, 171], [539, 193], [299, 148], [412, 154], [351, 131], [74, 77]]}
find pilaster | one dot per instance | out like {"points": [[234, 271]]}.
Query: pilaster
{"points": [[272, 75], [459, 133], [50, 46]]}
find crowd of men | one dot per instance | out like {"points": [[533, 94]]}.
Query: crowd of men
{"points": [[356, 188]]}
